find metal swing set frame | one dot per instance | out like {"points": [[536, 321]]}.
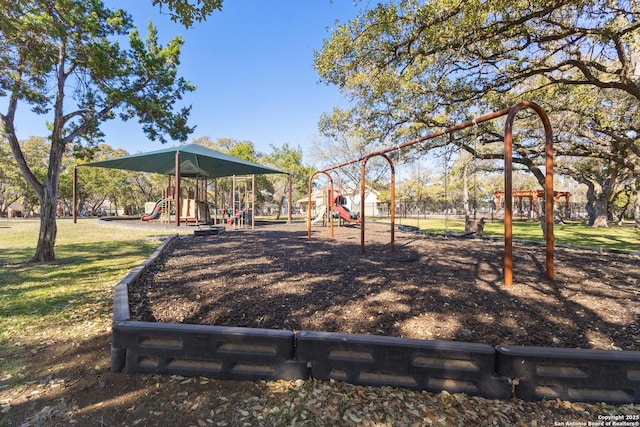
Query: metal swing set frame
{"points": [[511, 113]]}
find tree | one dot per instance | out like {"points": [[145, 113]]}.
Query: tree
{"points": [[442, 53], [61, 57], [186, 13], [413, 189], [289, 159], [411, 65], [9, 178], [96, 185], [599, 143], [34, 149]]}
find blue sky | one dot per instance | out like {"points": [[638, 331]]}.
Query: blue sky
{"points": [[252, 64]]}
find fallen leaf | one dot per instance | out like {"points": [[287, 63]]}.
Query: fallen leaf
{"points": [[354, 417]]}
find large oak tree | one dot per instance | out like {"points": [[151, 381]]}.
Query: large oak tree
{"points": [[410, 65], [65, 60]]}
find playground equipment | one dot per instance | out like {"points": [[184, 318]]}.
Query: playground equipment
{"points": [[533, 196], [184, 161], [321, 213], [237, 209], [340, 208], [511, 113], [334, 204], [156, 211], [195, 208], [192, 206]]}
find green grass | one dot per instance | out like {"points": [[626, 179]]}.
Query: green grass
{"points": [[69, 299], [573, 233]]}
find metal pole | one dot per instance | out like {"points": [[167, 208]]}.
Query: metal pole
{"points": [[253, 201], [290, 204], [508, 199], [74, 198], [309, 203], [432, 135], [393, 199], [177, 194], [215, 201], [548, 186], [362, 215], [233, 200]]}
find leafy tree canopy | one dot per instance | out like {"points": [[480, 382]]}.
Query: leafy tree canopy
{"points": [[63, 59], [410, 64], [186, 12]]}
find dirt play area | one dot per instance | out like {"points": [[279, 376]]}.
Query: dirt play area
{"points": [[431, 287]]}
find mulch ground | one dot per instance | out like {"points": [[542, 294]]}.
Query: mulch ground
{"points": [[429, 288]]}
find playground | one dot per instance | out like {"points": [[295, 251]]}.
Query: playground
{"points": [[57, 361], [430, 287]]}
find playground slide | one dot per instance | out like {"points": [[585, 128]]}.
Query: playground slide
{"points": [[345, 214], [321, 211], [155, 213]]}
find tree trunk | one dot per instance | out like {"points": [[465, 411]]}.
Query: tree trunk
{"points": [[48, 229], [636, 203], [590, 206], [48, 204], [280, 205], [598, 197], [465, 190], [600, 211], [623, 211], [282, 199]]}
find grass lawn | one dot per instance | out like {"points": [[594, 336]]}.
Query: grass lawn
{"points": [[67, 299], [572, 233]]}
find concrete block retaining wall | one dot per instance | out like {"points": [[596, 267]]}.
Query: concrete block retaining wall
{"points": [[528, 373]]}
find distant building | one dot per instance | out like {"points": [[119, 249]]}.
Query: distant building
{"points": [[319, 199], [15, 210]]}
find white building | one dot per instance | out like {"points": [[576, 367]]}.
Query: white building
{"points": [[319, 198]]}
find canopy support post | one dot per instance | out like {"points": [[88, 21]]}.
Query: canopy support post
{"points": [[253, 201], [290, 204], [176, 195], [74, 198]]}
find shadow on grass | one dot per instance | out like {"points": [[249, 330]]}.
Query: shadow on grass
{"points": [[77, 277]]}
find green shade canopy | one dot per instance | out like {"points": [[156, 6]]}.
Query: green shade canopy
{"points": [[195, 161]]}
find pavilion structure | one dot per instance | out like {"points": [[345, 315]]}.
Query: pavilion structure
{"points": [[185, 161], [533, 196]]}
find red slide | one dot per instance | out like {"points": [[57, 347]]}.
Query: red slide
{"points": [[155, 213], [345, 214]]}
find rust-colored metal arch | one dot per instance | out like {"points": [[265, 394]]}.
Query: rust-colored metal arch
{"points": [[508, 189], [393, 198], [329, 203]]}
